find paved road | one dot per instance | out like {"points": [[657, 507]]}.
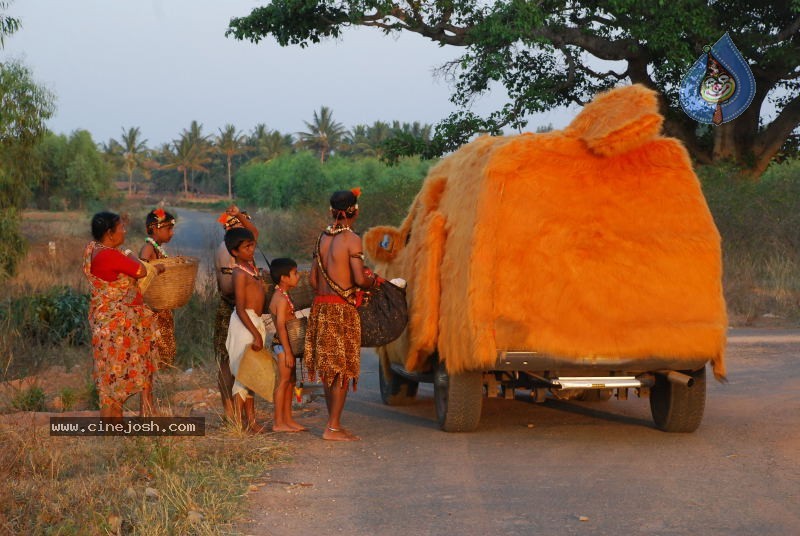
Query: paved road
{"points": [[556, 468], [197, 234]]}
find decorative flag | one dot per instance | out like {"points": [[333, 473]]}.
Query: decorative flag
{"points": [[719, 86]]}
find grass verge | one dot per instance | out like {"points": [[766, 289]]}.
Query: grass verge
{"points": [[127, 485]]}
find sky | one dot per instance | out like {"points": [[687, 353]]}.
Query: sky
{"points": [[160, 64]]}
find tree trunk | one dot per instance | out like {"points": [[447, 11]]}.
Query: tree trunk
{"points": [[185, 184], [725, 143], [130, 183], [230, 190]]}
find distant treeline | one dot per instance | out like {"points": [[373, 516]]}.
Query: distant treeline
{"points": [[69, 170]]}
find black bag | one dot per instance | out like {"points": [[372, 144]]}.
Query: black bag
{"points": [[384, 314]]}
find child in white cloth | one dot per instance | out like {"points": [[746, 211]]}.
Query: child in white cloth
{"points": [[246, 326]]}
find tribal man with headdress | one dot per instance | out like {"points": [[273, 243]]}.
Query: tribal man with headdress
{"points": [[333, 337], [223, 268]]}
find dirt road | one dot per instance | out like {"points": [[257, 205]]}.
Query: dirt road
{"points": [[557, 468]]}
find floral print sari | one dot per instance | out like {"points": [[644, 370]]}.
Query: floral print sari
{"points": [[124, 336]]}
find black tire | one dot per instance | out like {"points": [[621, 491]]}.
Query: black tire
{"points": [[395, 390], [676, 407], [458, 399]]}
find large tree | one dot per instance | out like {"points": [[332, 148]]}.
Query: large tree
{"points": [[545, 54], [24, 108]]}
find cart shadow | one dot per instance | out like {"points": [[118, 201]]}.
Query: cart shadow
{"points": [[594, 412]]}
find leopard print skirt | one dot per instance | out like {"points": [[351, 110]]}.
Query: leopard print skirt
{"points": [[166, 346], [333, 343]]}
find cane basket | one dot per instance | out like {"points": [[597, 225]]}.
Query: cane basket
{"points": [[296, 330], [173, 288]]}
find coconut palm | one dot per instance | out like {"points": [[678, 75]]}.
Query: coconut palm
{"points": [[324, 134], [267, 144], [186, 155], [201, 146], [230, 143], [367, 140], [133, 153]]}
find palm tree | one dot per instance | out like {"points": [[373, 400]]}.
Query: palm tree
{"points": [[133, 150], [199, 142], [230, 143], [267, 144], [324, 134], [187, 155]]}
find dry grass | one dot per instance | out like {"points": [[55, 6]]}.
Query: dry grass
{"points": [[759, 287], [44, 268], [97, 485]]}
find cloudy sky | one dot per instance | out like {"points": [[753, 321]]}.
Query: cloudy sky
{"points": [[159, 64]]}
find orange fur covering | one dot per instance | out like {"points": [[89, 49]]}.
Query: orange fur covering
{"points": [[592, 241]]}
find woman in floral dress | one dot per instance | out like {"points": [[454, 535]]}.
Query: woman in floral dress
{"points": [[124, 332]]}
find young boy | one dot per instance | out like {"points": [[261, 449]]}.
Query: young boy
{"points": [[284, 275], [246, 326], [223, 264], [160, 226]]}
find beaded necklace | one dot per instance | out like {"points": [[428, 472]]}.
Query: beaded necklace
{"points": [[335, 229], [106, 247], [250, 271], [286, 295], [157, 247]]}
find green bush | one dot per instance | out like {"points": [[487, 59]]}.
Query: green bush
{"points": [[759, 222], [298, 180], [58, 316], [68, 398], [761, 217], [29, 399]]}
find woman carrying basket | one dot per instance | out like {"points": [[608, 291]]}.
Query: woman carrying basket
{"points": [[124, 331]]}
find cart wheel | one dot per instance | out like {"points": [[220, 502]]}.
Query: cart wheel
{"points": [[458, 399], [676, 407], [395, 390]]}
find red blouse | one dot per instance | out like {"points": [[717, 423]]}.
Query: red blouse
{"points": [[109, 263]]}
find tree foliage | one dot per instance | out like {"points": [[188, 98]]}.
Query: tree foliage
{"points": [[300, 180], [545, 54], [24, 107], [73, 171], [8, 25]]}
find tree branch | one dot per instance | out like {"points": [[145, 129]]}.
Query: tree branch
{"points": [[787, 32], [769, 142]]}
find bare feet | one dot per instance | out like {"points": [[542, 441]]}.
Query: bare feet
{"points": [[284, 428], [338, 434], [254, 428], [297, 426]]}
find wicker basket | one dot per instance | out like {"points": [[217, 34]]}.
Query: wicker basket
{"points": [[174, 287], [296, 330]]}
